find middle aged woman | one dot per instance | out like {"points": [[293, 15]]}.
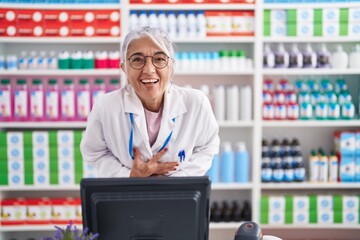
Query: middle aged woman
{"points": [[151, 126]]}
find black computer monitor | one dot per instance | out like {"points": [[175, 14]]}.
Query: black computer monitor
{"points": [[155, 208]]}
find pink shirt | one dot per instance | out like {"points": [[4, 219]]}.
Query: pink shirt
{"points": [[153, 120]]}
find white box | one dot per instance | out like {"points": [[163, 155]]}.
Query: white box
{"points": [[301, 203], [40, 138], [331, 29], [354, 14], [331, 15], [276, 217], [15, 138], [350, 203], [278, 16], [65, 152], [89, 171], [277, 203], [66, 178], [15, 152], [41, 179], [324, 202], [16, 179], [66, 165], [301, 217], [350, 217], [354, 29], [278, 29], [305, 29], [325, 216], [40, 152], [65, 138], [41, 165], [16, 166], [305, 15]]}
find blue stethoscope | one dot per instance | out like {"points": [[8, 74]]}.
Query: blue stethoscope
{"points": [[131, 139]]}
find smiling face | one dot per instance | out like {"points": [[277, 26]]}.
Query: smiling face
{"points": [[149, 82]]}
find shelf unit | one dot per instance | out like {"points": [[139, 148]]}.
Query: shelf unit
{"points": [[250, 131]]}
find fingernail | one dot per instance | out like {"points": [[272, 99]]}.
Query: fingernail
{"points": [[134, 150], [165, 149]]}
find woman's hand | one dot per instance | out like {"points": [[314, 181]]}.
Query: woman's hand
{"points": [[152, 167]]}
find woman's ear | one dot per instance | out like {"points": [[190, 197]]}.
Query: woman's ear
{"points": [[122, 66]]}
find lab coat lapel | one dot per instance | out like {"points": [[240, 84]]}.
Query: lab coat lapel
{"points": [[174, 107]]}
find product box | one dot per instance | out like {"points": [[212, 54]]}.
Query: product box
{"points": [[278, 16], [276, 217], [350, 217], [350, 203], [65, 138], [89, 171], [301, 203], [354, 14], [15, 152], [15, 179], [301, 217], [7, 16], [277, 203], [40, 152], [13, 212], [66, 172], [305, 15], [40, 138], [345, 150], [357, 156], [63, 210], [354, 28], [331, 15], [278, 29], [325, 216], [243, 23], [65, 152], [218, 23], [324, 202], [29, 29], [331, 29], [14, 138], [305, 29], [38, 211], [31, 16], [56, 29]]}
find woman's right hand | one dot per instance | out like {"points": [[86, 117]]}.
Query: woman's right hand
{"points": [[152, 167]]}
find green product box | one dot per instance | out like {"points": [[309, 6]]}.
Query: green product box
{"points": [[267, 16], [78, 177], [313, 217], [78, 165], [53, 138], [291, 16], [289, 217], [292, 29], [3, 152], [344, 29], [53, 165], [318, 29], [344, 15], [77, 138], [318, 16], [264, 217], [338, 203], [267, 30], [27, 138], [338, 217], [313, 203], [264, 204], [54, 178], [3, 140]]}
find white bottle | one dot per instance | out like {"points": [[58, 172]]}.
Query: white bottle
{"points": [[281, 57], [219, 103], [172, 25], [339, 58], [153, 19], [134, 20], [201, 24], [42, 61], [143, 19], [296, 57], [309, 56], [232, 103], [323, 58], [52, 62], [245, 103], [191, 24], [354, 58], [163, 21], [32, 60], [23, 60], [182, 25], [269, 57]]}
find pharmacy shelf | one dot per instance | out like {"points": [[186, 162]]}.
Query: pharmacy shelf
{"points": [[321, 39], [234, 124], [222, 39], [191, 7], [42, 125], [58, 72], [312, 226], [317, 5], [224, 226], [311, 123], [212, 72], [69, 40], [311, 71], [231, 186], [59, 6], [309, 185], [40, 188]]}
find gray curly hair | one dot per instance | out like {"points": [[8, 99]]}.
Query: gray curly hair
{"points": [[157, 35]]}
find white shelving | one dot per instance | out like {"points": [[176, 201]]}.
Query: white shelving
{"points": [[253, 130]]}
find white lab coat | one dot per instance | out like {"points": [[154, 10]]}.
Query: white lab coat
{"points": [[195, 131]]}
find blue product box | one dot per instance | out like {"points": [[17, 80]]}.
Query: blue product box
{"points": [[357, 157]]}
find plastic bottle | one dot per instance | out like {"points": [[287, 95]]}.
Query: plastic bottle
{"points": [[133, 20], [333, 167], [323, 166], [245, 103], [98, 90], [101, 59], [299, 168], [232, 103], [214, 171], [281, 57], [269, 57], [172, 24], [42, 61], [11, 62], [83, 99], [219, 103], [52, 103], [153, 19], [354, 57], [227, 173], [242, 163], [88, 61], [182, 24], [21, 100], [23, 60], [68, 100], [191, 24], [143, 19], [314, 166], [114, 85], [295, 57], [246, 212], [241, 60], [6, 106], [37, 100], [275, 147], [64, 60], [52, 61], [114, 59], [309, 56], [339, 58], [323, 57], [201, 24], [2, 62], [265, 148], [76, 60], [288, 167], [163, 21], [266, 170], [233, 60], [278, 171]]}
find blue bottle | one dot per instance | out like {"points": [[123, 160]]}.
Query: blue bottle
{"points": [[242, 165], [214, 171], [266, 170], [227, 164]]}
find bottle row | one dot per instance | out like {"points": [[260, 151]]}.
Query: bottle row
{"points": [[308, 58], [47, 22], [224, 60], [61, 1], [193, 24], [310, 209], [53, 99], [190, 1], [61, 60], [230, 166], [225, 212], [311, 2], [307, 22], [307, 100], [40, 211]]}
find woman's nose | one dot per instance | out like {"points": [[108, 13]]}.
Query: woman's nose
{"points": [[149, 66]]}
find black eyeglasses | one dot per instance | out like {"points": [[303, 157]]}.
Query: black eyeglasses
{"points": [[138, 60]]}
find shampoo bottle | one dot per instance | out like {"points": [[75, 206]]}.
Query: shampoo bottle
{"points": [[227, 164], [242, 163], [339, 58], [354, 58]]}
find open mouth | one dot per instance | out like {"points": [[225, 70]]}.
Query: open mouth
{"points": [[149, 81]]}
